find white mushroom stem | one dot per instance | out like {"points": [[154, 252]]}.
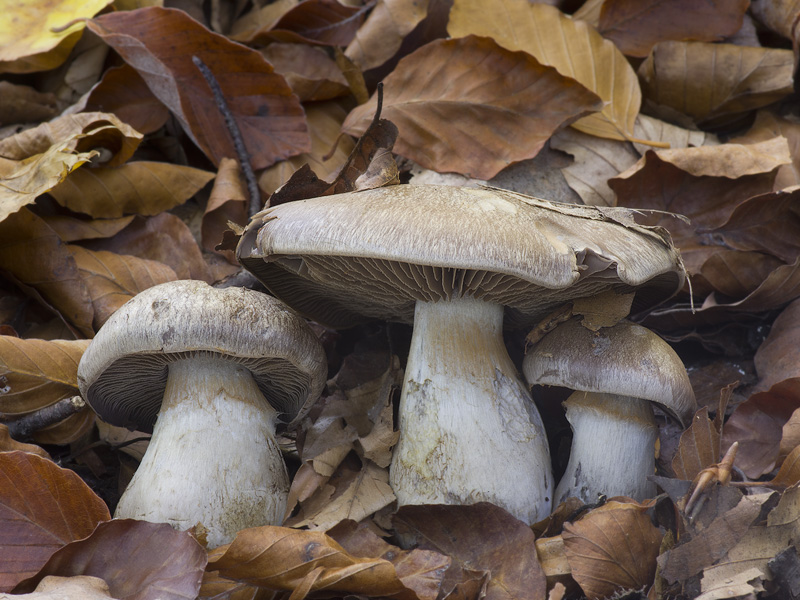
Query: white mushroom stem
{"points": [[213, 458], [613, 447], [469, 431]]}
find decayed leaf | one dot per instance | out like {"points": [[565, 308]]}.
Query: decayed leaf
{"points": [[575, 48], [285, 559], [458, 108], [757, 425], [42, 507], [163, 238], [23, 181], [310, 72], [324, 124], [698, 447], [100, 131], [142, 188], [484, 541], [123, 92], [138, 559], [714, 82], [37, 373], [38, 36], [612, 549], [637, 25], [380, 37], [160, 43], [113, 279], [35, 256]]}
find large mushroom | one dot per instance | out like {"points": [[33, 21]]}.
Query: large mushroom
{"points": [[219, 368], [618, 372], [450, 260]]}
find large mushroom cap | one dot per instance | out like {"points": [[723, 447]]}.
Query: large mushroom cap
{"points": [[625, 360], [372, 254], [123, 372]]}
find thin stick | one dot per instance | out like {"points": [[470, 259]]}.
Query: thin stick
{"points": [[23, 427], [236, 135]]}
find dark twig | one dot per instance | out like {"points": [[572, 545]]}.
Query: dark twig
{"points": [[236, 135], [22, 428]]}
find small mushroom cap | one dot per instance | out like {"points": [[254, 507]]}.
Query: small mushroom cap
{"points": [[124, 370], [372, 254], [625, 360]]}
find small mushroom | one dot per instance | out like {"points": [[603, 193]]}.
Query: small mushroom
{"points": [[219, 368], [618, 371], [458, 263]]}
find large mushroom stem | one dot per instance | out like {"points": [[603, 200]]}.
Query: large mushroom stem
{"points": [[613, 447], [469, 431], [213, 458]]}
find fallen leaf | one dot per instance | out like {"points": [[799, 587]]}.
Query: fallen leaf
{"points": [[228, 202], [326, 22], [283, 559], [34, 255], [769, 125], [310, 72], [82, 587], [73, 229], [612, 549], [37, 373], [123, 92], [699, 447], [482, 538], [382, 34], [789, 473], [9, 444], [38, 36], [458, 107], [42, 508], [656, 130], [715, 83], [137, 559], [160, 43], [636, 26], [573, 47], [113, 279], [142, 188], [777, 357], [24, 104]]}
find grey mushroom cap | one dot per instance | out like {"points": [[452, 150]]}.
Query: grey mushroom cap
{"points": [[625, 360], [372, 254], [123, 372]]}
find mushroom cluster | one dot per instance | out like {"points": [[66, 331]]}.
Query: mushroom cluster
{"points": [[219, 368], [458, 263]]}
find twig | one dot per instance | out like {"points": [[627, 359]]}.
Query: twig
{"points": [[235, 133], [23, 427]]}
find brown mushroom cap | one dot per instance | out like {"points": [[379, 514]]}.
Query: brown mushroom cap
{"points": [[123, 372], [372, 254], [625, 360]]}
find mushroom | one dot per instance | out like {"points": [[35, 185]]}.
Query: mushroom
{"points": [[454, 261], [617, 372], [218, 367]]}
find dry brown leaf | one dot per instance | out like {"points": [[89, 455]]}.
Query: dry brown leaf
{"points": [[141, 188], [310, 72], [769, 125], [789, 473], [458, 108], [698, 447], [635, 26], [51, 587], [9, 444], [37, 373], [612, 549], [656, 130], [105, 132], [214, 586], [778, 15], [228, 202], [381, 35], [733, 273], [24, 104], [573, 47], [777, 357], [282, 558], [73, 229], [260, 19], [163, 238], [714, 83], [138, 559], [113, 279], [42, 507], [160, 43], [39, 36], [324, 124], [123, 92], [484, 541], [35, 257]]}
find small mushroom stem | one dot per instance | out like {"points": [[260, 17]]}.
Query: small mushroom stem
{"points": [[469, 431], [213, 458], [613, 447]]}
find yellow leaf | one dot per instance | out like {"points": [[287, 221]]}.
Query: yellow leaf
{"points": [[574, 48], [37, 35]]}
